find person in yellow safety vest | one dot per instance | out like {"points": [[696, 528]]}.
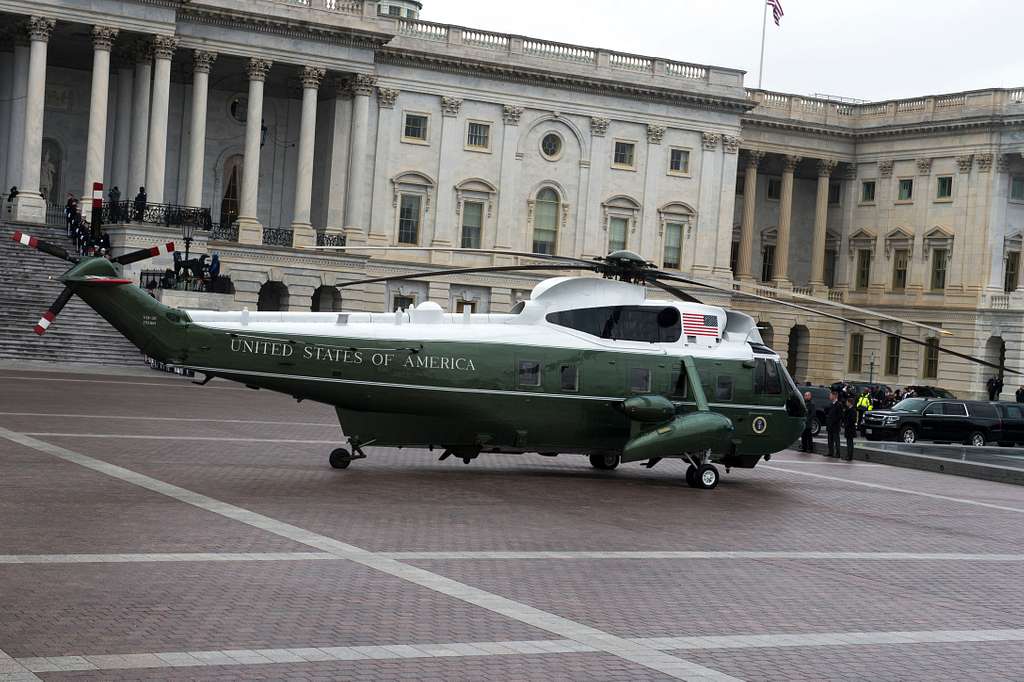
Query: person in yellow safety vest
{"points": [[863, 407]]}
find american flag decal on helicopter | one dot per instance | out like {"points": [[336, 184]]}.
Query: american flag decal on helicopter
{"points": [[697, 324]]}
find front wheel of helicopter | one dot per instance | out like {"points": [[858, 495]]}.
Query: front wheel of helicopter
{"points": [[340, 458]]}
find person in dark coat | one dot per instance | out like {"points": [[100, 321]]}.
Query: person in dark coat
{"points": [[833, 422], [1020, 394], [806, 439], [140, 204], [849, 427], [114, 197]]}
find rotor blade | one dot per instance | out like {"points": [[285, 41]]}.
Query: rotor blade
{"points": [[143, 254], [452, 249], [678, 293], [466, 271], [45, 247], [50, 315], [873, 313], [873, 328]]}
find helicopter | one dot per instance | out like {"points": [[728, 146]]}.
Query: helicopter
{"points": [[587, 365]]}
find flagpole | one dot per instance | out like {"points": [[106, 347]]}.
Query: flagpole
{"points": [[764, 26]]}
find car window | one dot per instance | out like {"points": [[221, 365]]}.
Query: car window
{"points": [[954, 409], [933, 409], [910, 405], [1011, 411], [983, 410]]}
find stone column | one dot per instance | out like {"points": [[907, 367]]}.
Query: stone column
{"points": [[746, 248], [341, 128], [250, 230], [19, 88], [96, 142], [302, 229], [825, 168], [6, 99], [355, 213], [29, 206], [789, 164], [122, 131], [140, 121], [156, 155], [201, 64]]}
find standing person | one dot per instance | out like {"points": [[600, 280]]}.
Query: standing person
{"points": [[806, 438], [833, 422], [1020, 394], [140, 204], [999, 386], [863, 406], [70, 213], [114, 196], [849, 427]]}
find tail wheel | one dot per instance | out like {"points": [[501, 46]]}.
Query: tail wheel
{"points": [[604, 462], [908, 435], [977, 439], [707, 476], [340, 458]]}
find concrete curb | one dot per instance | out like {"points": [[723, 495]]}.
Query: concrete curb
{"points": [[941, 465]]}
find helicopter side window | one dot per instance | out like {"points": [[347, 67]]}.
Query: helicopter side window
{"points": [[723, 387], [639, 380], [529, 373], [623, 323], [677, 384], [570, 378], [767, 378]]}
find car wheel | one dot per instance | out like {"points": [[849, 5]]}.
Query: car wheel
{"points": [[908, 434], [815, 426], [977, 439]]}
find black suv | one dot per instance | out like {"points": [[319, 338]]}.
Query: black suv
{"points": [[819, 403], [931, 392], [974, 422]]}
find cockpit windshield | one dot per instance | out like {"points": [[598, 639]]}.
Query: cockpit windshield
{"points": [[652, 324]]}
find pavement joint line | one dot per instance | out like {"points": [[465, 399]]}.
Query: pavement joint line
{"points": [[380, 652], [165, 384], [879, 486], [662, 662], [134, 436], [108, 417], [163, 557], [13, 670]]}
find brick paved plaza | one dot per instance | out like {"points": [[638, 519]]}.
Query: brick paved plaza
{"points": [[153, 529]]}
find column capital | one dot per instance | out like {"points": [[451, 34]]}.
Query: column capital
{"points": [[924, 166], [202, 61], [1002, 163], [754, 158], [655, 133], [598, 126], [362, 84], [386, 97], [826, 166], [984, 162], [710, 140], [450, 106], [511, 113], [311, 76], [885, 168], [342, 89], [103, 37], [731, 143], [790, 162], [965, 162], [258, 68], [40, 28], [164, 46]]}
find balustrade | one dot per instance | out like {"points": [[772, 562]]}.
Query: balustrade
{"points": [[324, 239], [273, 236]]}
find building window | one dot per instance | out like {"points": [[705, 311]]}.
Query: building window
{"points": [[734, 257], [1017, 188], [569, 378], [774, 189], [931, 359], [906, 190], [399, 302], [624, 153], [1012, 275], [394, 11], [867, 192], [639, 380], [679, 162], [472, 221], [415, 129], [863, 269], [944, 187], [831, 257], [617, 234], [673, 246], [545, 221], [768, 263], [463, 306], [892, 355], [939, 269], [409, 219], [741, 181], [900, 260], [478, 136], [529, 373], [551, 146], [833, 192], [856, 352]]}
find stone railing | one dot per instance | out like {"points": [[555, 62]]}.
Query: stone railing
{"points": [[802, 291], [324, 239], [522, 49], [836, 295], [340, 6], [867, 115], [168, 215]]}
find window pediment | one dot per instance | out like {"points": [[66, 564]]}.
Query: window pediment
{"points": [[862, 239], [937, 238], [769, 236], [1013, 242], [475, 189], [621, 206], [412, 182], [898, 239], [832, 240]]}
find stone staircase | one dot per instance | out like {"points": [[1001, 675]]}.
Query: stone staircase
{"points": [[28, 286]]}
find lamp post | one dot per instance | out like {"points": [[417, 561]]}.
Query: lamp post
{"points": [[871, 368]]}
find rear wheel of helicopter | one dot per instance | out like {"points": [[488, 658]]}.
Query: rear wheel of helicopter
{"points": [[604, 462], [691, 476], [340, 458], [706, 476]]}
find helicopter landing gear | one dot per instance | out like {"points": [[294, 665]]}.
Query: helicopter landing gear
{"points": [[604, 462], [704, 475], [340, 458]]}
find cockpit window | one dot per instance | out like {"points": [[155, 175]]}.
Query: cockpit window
{"points": [[767, 377], [623, 322]]}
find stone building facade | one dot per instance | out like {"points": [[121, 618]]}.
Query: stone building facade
{"points": [[303, 120]]}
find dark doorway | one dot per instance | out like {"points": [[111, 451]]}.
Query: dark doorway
{"points": [[273, 296]]}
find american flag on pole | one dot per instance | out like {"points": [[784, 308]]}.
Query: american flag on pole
{"points": [[698, 324], [777, 12]]}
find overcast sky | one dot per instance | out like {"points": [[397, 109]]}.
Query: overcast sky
{"points": [[868, 49]]}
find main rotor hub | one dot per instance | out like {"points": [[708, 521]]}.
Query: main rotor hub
{"points": [[626, 266]]}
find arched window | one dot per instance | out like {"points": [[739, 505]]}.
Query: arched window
{"points": [[545, 221]]}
